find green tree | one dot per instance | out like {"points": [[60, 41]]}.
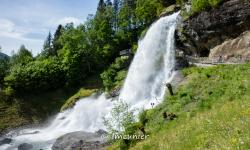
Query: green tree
{"points": [[108, 3], [47, 47], [56, 43], [147, 11], [75, 55], [100, 35], [116, 8], [101, 6], [36, 76], [22, 57]]}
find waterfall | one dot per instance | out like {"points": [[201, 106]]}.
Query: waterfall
{"points": [[152, 66]]}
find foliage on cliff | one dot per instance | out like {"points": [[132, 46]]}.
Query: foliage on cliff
{"points": [[114, 76], [73, 99], [200, 5]]}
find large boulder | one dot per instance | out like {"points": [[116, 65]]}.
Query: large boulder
{"points": [[238, 47], [202, 32], [81, 140]]}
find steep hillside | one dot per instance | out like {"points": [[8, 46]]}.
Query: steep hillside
{"points": [[212, 108], [213, 112]]}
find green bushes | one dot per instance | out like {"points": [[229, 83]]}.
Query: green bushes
{"points": [[201, 5], [214, 3], [147, 11], [115, 74], [121, 117], [37, 75]]}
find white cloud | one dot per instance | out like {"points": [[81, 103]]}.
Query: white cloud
{"points": [[9, 29], [6, 24], [12, 36], [66, 20]]}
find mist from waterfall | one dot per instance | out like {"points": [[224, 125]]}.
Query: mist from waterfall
{"points": [[151, 68]]}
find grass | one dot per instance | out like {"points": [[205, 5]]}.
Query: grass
{"points": [[213, 109], [73, 99], [197, 6]]}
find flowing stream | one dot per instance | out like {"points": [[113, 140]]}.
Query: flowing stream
{"points": [[152, 67]]}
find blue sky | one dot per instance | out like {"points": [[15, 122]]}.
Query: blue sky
{"points": [[29, 21]]}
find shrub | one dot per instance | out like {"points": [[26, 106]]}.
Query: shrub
{"points": [[201, 5], [121, 117], [214, 3], [111, 75], [37, 75]]}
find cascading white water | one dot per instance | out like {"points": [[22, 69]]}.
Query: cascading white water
{"points": [[152, 66]]}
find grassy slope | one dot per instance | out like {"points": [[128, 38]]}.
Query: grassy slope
{"points": [[73, 99], [213, 108]]}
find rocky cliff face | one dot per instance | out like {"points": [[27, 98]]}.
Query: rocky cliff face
{"points": [[204, 31], [239, 46]]}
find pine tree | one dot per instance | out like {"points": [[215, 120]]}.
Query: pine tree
{"points": [[116, 7], [108, 3], [23, 56], [101, 6], [47, 47], [56, 43]]}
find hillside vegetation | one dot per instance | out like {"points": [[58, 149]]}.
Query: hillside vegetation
{"points": [[212, 106]]}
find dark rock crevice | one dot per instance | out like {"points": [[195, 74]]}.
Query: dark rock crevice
{"points": [[204, 31]]}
